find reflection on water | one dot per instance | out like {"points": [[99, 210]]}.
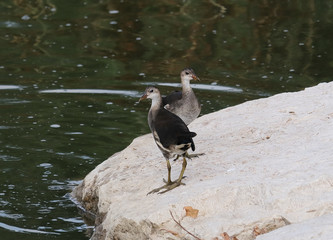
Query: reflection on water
{"points": [[71, 74]]}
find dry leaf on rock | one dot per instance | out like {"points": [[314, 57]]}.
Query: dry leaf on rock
{"points": [[225, 236], [191, 212], [258, 231]]}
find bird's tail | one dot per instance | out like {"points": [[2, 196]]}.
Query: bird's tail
{"points": [[192, 134]]}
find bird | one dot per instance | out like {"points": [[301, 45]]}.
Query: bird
{"points": [[184, 104], [171, 136]]}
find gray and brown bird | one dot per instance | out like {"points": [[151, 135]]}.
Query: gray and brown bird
{"points": [[184, 104], [171, 135]]}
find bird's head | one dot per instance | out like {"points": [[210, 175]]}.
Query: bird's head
{"points": [[188, 74], [150, 92]]}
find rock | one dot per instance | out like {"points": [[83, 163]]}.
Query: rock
{"points": [[315, 228], [267, 165]]}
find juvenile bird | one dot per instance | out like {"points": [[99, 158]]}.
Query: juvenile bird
{"points": [[171, 135], [184, 104]]}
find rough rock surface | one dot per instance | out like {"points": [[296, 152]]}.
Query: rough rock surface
{"points": [[267, 169]]}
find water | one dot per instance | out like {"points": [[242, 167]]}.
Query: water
{"points": [[71, 74]]}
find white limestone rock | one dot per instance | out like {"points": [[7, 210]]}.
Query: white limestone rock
{"points": [[315, 228], [267, 163]]}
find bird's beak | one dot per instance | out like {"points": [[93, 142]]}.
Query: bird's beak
{"points": [[195, 77], [143, 97]]}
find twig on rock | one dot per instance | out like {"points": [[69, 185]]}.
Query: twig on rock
{"points": [[170, 231], [178, 223]]}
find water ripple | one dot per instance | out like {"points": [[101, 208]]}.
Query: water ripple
{"points": [[23, 230], [10, 87], [4, 214], [12, 101], [72, 220], [9, 24], [8, 158], [94, 91], [5, 127]]}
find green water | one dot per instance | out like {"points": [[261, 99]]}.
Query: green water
{"points": [[71, 73]]}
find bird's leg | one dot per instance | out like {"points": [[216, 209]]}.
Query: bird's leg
{"points": [[176, 158], [169, 185], [169, 172], [183, 169], [177, 183]]}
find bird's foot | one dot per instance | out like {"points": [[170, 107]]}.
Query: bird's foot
{"points": [[190, 156], [168, 186], [166, 182], [176, 158]]}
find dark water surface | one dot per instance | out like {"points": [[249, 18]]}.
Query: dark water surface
{"points": [[71, 73]]}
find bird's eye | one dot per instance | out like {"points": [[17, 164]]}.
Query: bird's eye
{"points": [[187, 73], [151, 90]]}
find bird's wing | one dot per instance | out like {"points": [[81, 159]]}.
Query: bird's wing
{"points": [[172, 130], [171, 98]]}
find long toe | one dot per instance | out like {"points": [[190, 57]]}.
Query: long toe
{"points": [[167, 183], [172, 186], [155, 190], [167, 187], [190, 156]]}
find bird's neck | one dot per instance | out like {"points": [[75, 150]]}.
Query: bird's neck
{"points": [[156, 104], [186, 87]]}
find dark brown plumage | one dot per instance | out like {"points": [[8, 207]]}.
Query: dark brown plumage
{"points": [[170, 133]]}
